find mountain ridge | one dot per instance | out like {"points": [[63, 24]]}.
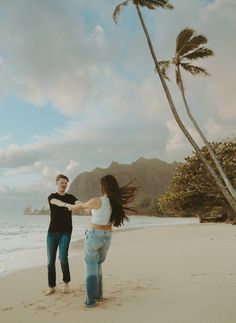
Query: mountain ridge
{"points": [[151, 175]]}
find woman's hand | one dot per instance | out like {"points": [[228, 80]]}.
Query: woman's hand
{"points": [[70, 207], [94, 203]]}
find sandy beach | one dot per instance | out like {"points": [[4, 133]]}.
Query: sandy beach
{"points": [[165, 274]]}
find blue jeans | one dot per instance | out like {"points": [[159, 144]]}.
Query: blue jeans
{"points": [[97, 243], [55, 240]]}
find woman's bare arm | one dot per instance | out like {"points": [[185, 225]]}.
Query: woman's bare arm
{"points": [[94, 203]]}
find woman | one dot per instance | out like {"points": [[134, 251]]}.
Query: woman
{"points": [[108, 210]]}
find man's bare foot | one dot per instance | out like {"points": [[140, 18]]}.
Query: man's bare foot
{"points": [[101, 300], [66, 288], [50, 291], [85, 305]]}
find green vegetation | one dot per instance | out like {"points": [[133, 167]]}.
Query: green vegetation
{"points": [[192, 191]]}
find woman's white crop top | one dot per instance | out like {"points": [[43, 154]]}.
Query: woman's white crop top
{"points": [[103, 214]]}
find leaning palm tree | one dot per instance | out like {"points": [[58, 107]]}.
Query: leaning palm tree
{"points": [[164, 4], [189, 47]]}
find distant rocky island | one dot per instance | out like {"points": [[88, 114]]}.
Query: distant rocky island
{"points": [[151, 175], [30, 211]]}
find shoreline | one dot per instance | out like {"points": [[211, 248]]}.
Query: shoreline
{"points": [[164, 274], [34, 257]]}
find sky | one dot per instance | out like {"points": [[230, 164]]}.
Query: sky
{"points": [[78, 91]]}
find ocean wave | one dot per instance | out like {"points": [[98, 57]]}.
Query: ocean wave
{"points": [[4, 255], [15, 232], [17, 236], [2, 271]]}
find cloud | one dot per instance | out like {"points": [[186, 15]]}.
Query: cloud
{"points": [[216, 131], [69, 54], [176, 143], [122, 127], [51, 57], [73, 164], [5, 138], [3, 188]]}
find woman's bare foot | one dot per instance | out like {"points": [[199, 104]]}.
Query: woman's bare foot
{"points": [[66, 288], [50, 291]]}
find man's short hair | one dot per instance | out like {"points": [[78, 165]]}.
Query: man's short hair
{"points": [[62, 176]]}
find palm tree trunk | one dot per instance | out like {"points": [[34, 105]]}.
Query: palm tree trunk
{"points": [[178, 120], [210, 150]]}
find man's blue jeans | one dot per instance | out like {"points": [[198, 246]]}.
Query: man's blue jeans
{"points": [[97, 243], [55, 240]]}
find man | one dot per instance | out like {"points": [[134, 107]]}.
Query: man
{"points": [[59, 234]]}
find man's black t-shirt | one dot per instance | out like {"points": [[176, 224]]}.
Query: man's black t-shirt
{"points": [[61, 219]]}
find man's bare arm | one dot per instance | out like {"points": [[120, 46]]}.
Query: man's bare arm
{"points": [[57, 202]]}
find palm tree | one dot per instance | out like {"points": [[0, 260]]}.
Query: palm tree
{"points": [[164, 4], [189, 47]]}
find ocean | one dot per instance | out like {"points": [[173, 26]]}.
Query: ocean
{"points": [[23, 237]]}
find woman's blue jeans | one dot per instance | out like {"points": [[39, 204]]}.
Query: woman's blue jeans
{"points": [[97, 243], [55, 240]]}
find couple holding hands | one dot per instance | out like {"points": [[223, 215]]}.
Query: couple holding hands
{"points": [[106, 211]]}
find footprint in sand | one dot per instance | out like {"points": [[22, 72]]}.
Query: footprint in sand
{"points": [[137, 288], [28, 305], [7, 308], [40, 307]]}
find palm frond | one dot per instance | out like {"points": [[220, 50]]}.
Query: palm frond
{"points": [[194, 70], [164, 65], [118, 9], [153, 4], [201, 52], [165, 4], [183, 37], [193, 44], [146, 3]]}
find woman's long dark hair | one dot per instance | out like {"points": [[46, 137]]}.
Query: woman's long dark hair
{"points": [[120, 197]]}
